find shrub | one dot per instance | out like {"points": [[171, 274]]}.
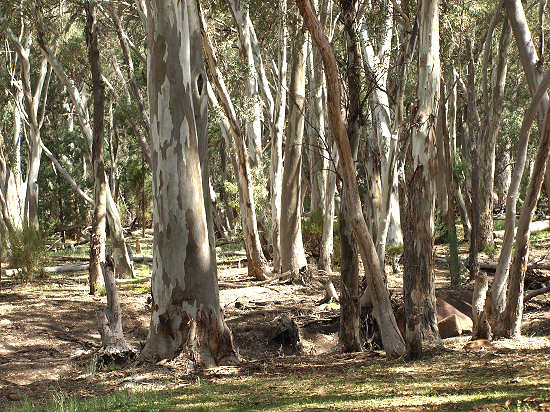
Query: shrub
{"points": [[27, 249]]}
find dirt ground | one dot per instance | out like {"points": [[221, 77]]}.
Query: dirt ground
{"points": [[48, 330]]}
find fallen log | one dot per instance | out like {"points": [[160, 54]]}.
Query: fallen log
{"points": [[142, 259], [534, 227], [49, 269], [492, 266], [534, 293]]}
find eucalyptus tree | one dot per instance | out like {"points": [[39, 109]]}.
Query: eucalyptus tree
{"points": [[419, 277], [23, 45], [504, 303], [382, 310], [123, 264], [293, 256], [186, 316], [257, 264]]}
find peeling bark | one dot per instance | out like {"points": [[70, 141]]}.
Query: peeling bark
{"points": [[418, 277], [186, 317]]}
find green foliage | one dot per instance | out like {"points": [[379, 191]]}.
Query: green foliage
{"points": [[312, 231], [491, 250], [27, 250]]}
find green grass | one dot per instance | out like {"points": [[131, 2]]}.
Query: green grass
{"points": [[447, 380]]}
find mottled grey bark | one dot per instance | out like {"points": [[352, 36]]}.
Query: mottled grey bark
{"points": [[186, 316]]}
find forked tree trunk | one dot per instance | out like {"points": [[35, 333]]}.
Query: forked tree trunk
{"points": [[418, 278], [496, 301], [110, 321], [293, 256], [495, 304], [382, 310], [186, 316], [510, 326]]}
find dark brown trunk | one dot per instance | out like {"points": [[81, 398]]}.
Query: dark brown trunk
{"points": [[97, 243]]}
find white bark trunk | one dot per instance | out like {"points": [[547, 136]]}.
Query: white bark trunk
{"points": [[276, 172]]}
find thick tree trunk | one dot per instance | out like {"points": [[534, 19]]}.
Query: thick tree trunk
{"points": [[350, 310], [257, 265], [276, 172], [418, 278], [293, 257], [186, 313], [383, 312]]}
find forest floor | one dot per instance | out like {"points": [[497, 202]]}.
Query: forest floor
{"points": [[48, 337]]}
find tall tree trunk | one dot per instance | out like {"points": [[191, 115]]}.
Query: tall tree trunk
{"points": [[317, 146], [454, 268], [257, 265], [418, 278], [496, 301], [382, 310], [110, 321], [453, 129], [491, 130], [293, 256], [350, 311], [277, 135], [97, 242], [186, 317]]}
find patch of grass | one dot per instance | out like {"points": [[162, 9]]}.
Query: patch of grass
{"points": [[447, 380]]}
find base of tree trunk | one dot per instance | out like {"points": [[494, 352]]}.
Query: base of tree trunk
{"points": [[204, 341]]}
